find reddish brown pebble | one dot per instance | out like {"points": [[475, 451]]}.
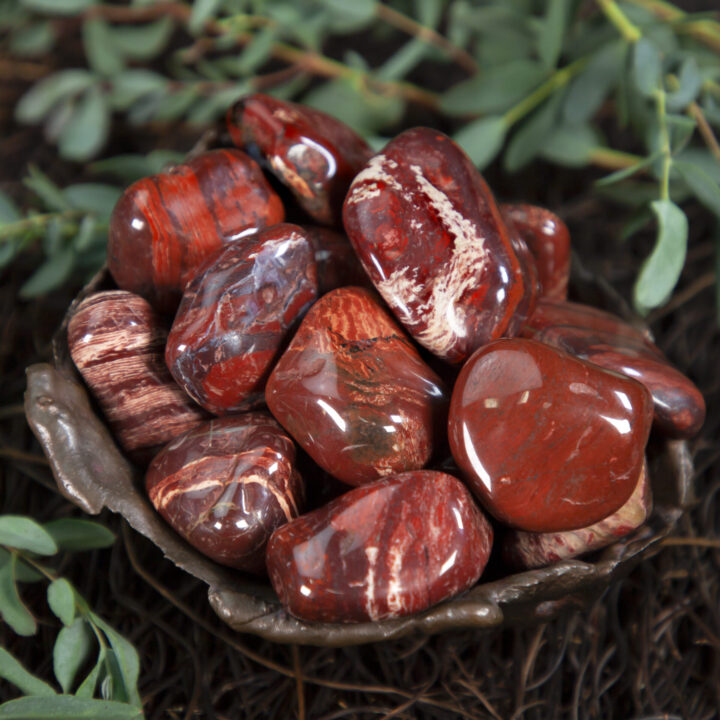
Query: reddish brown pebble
{"points": [[431, 237], [546, 441], [337, 263], [117, 343], [313, 154], [235, 315], [527, 550], [548, 238], [605, 340], [354, 393], [393, 548], [166, 225], [226, 485]]}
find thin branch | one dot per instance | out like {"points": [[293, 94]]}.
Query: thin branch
{"points": [[630, 32], [695, 111]]}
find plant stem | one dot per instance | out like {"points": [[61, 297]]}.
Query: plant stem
{"points": [[695, 111], [36, 224], [664, 144], [610, 159], [620, 20]]}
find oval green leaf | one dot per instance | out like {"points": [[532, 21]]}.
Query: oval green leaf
{"points": [[13, 671], [79, 534], [24, 533], [70, 651], [61, 599], [67, 707], [482, 139]]}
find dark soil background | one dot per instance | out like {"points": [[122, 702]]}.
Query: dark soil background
{"points": [[648, 648]]}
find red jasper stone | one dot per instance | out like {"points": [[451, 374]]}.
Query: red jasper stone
{"points": [[315, 155], [354, 393], [235, 315], [117, 342], [546, 441], [428, 231], [381, 551], [527, 550], [226, 485], [548, 238], [337, 263], [605, 340], [165, 226]]}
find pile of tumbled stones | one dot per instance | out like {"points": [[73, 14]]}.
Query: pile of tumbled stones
{"points": [[405, 340]]}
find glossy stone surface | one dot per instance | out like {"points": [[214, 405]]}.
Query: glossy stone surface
{"points": [[606, 340], [381, 551], [431, 237], [548, 238], [166, 225], [226, 485], [354, 393], [525, 550], [117, 343], [235, 315], [315, 155], [546, 441], [337, 263]]}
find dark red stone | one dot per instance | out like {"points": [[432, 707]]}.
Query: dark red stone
{"points": [[606, 340], [337, 263], [117, 343], [235, 315], [548, 238], [313, 154], [525, 550], [431, 237], [354, 393], [385, 550], [226, 485], [546, 441], [165, 226]]}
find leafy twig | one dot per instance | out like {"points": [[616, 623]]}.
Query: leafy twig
{"points": [[620, 20]]}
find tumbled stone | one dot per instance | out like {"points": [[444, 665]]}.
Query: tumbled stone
{"points": [[606, 340], [385, 550], [337, 263], [226, 485], [166, 225], [548, 238], [547, 442], [235, 315], [354, 393], [117, 343], [431, 237], [526, 550], [315, 155]]}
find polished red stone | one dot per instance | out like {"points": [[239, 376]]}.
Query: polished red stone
{"points": [[235, 315], [354, 393], [385, 550], [226, 485], [606, 340], [313, 154], [337, 263], [525, 550], [548, 238], [117, 343], [165, 226], [431, 237], [546, 441]]}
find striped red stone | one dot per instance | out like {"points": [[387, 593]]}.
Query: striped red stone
{"points": [[393, 548], [235, 315], [354, 393], [226, 485], [117, 342], [166, 225]]}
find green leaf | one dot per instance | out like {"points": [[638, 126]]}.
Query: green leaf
{"points": [[61, 599], [177, 104], [13, 671], [571, 145], [86, 689], [50, 275], [703, 159], [12, 608], [131, 85], [94, 198], [87, 130], [102, 56], [646, 67], [494, 90], [67, 707], [142, 42], [70, 651], [24, 533], [8, 211], [79, 534], [552, 31], [690, 81], [58, 7], [256, 52], [681, 129], [202, 11], [46, 190], [23, 571], [126, 656], [529, 140], [661, 270], [209, 109], [482, 139], [705, 188], [129, 168], [627, 172], [45, 94], [35, 39], [347, 17]]}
